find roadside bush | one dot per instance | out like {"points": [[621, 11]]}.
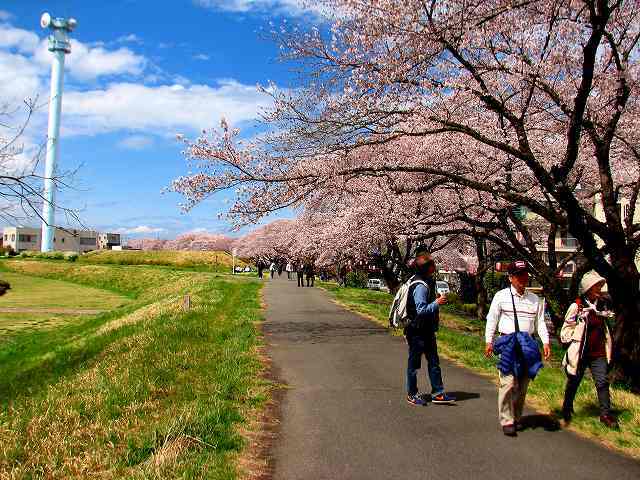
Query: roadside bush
{"points": [[494, 281], [357, 279], [469, 308], [453, 299], [71, 256], [7, 251]]}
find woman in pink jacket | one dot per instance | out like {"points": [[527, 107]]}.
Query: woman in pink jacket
{"points": [[586, 331]]}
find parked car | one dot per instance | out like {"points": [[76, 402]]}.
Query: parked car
{"points": [[442, 287], [377, 284]]}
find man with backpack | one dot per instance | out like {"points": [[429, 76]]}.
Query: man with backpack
{"points": [[422, 309]]}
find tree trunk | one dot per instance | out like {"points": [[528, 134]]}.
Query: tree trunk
{"points": [[625, 294], [481, 290]]}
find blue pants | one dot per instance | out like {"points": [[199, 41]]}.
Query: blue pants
{"points": [[599, 370], [426, 346]]}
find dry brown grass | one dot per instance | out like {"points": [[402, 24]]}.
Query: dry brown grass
{"points": [[82, 425]]}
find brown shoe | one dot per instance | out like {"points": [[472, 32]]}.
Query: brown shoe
{"points": [[609, 421], [509, 430]]}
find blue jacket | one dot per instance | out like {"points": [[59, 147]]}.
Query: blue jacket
{"points": [[424, 314], [519, 354]]}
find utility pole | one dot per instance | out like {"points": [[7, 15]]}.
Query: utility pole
{"points": [[59, 45]]}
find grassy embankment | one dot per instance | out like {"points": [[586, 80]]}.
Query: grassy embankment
{"points": [[144, 390], [461, 339], [202, 261], [35, 303]]}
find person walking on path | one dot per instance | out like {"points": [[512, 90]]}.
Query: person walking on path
{"points": [[310, 273], [289, 269], [420, 334], [300, 274], [586, 331], [272, 269], [517, 314], [260, 267]]}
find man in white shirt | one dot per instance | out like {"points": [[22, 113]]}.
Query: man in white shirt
{"points": [[529, 309]]}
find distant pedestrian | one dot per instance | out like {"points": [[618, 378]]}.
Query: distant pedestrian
{"points": [[310, 273], [420, 334], [342, 276], [586, 331], [272, 269], [260, 267], [280, 269], [300, 274], [517, 314], [289, 269]]}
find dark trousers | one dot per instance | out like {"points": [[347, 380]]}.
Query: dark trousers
{"points": [[300, 280], [427, 346], [310, 278], [598, 367]]}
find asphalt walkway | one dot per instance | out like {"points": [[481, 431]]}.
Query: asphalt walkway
{"points": [[344, 415]]}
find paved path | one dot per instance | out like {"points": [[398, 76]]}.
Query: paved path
{"points": [[344, 415]]}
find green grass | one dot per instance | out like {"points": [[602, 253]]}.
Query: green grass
{"points": [[461, 339], [146, 390], [33, 292], [39, 296], [203, 261]]}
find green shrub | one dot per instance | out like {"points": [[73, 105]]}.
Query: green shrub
{"points": [[49, 255], [71, 256], [469, 308], [454, 299], [357, 279], [493, 281]]}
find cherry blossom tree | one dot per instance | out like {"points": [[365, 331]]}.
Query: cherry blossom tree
{"points": [[511, 104]]}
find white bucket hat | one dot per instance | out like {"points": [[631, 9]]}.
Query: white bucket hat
{"points": [[589, 280]]}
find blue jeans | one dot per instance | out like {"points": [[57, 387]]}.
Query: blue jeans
{"points": [[418, 346]]}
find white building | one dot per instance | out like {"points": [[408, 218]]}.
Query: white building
{"points": [[80, 241], [106, 241]]}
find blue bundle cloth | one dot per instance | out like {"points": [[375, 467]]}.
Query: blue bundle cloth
{"points": [[519, 355]]}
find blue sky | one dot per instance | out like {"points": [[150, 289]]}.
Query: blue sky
{"points": [[141, 71]]}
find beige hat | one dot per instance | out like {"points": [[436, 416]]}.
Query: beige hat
{"points": [[589, 280]]}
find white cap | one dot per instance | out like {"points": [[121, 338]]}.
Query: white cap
{"points": [[589, 280]]}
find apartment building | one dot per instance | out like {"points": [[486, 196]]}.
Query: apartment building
{"points": [[566, 245], [80, 241], [106, 241]]}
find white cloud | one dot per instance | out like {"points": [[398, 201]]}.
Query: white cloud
{"points": [[127, 103], [136, 142], [141, 229], [4, 15], [130, 106], [283, 7], [85, 62], [88, 63], [131, 38], [23, 40], [201, 56], [20, 78]]}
